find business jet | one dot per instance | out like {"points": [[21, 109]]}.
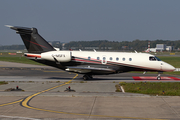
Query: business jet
{"points": [[88, 63]]}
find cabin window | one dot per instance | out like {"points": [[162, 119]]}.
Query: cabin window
{"points": [[130, 59], [89, 58], [97, 58], [110, 58], [104, 58], [123, 59], [117, 59]]}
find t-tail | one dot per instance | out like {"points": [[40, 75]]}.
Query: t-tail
{"points": [[33, 41]]}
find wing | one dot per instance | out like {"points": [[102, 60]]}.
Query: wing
{"points": [[90, 70]]}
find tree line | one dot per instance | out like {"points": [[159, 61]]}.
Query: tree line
{"points": [[139, 45]]}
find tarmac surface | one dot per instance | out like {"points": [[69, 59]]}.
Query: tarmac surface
{"points": [[44, 97]]}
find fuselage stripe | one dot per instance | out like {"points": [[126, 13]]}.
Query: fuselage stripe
{"points": [[29, 55], [109, 63]]}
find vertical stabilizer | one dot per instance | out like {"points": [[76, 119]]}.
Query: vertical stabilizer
{"points": [[33, 41]]}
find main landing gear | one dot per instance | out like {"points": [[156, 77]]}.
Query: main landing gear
{"points": [[87, 77]]}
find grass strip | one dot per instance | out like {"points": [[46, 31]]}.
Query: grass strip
{"points": [[19, 60], [3, 82], [153, 88]]}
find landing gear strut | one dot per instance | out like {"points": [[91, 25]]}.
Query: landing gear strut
{"points": [[158, 77], [87, 77]]}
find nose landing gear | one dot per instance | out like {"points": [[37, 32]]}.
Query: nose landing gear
{"points": [[159, 75]]}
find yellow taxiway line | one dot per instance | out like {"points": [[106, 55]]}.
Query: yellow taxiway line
{"points": [[37, 93], [11, 102], [27, 100]]}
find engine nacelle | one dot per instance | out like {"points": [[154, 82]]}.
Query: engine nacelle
{"points": [[58, 56]]}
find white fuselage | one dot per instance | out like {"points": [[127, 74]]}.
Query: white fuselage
{"points": [[135, 60]]}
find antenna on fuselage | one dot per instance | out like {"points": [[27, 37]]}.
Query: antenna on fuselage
{"points": [[135, 51], [80, 50], [94, 50]]}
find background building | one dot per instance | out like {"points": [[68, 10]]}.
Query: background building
{"points": [[160, 47]]}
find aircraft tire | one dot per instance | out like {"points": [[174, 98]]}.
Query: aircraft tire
{"points": [[85, 77], [158, 78]]}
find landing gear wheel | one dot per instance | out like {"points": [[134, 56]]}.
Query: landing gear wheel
{"points": [[158, 78], [87, 77]]}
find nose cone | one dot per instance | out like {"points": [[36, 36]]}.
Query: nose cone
{"points": [[168, 68]]}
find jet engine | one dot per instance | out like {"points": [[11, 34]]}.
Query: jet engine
{"points": [[57, 56]]}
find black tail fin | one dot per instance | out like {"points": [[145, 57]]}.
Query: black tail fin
{"points": [[33, 41]]}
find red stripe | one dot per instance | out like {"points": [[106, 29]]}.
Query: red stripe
{"points": [[29, 55], [175, 78], [136, 78], [146, 78], [36, 43]]}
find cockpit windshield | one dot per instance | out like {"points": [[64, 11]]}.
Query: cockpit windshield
{"points": [[157, 58], [154, 58]]}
